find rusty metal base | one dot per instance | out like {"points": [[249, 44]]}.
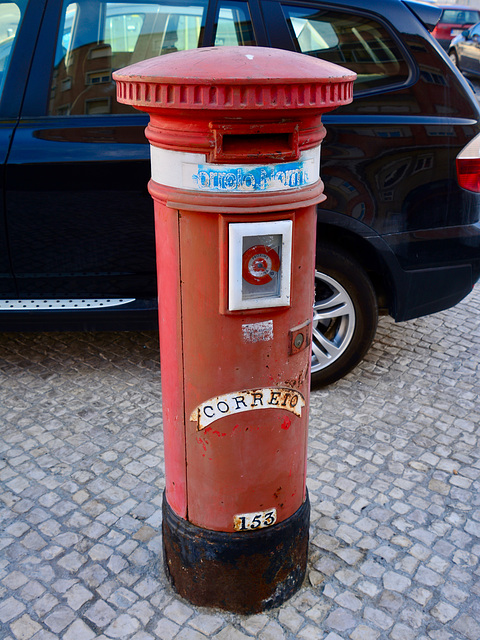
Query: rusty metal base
{"points": [[243, 573]]}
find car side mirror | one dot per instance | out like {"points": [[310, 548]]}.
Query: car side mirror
{"points": [[466, 34]]}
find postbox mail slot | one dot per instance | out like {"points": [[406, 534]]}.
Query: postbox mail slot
{"points": [[263, 145], [255, 143]]}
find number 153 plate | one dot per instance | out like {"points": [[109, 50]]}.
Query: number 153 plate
{"points": [[252, 521]]}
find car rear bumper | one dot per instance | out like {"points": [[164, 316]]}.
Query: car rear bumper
{"points": [[437, 268]]}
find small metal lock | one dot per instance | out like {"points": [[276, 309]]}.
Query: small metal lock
{"points": [[299, 338]]}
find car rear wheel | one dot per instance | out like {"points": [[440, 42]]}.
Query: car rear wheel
{"points": [[453, 57], [345, 315]]}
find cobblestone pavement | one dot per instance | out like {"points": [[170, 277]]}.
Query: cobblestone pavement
{"points": [[394, 467]]}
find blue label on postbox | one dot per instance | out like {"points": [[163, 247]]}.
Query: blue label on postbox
{"points": [[276, 177]]}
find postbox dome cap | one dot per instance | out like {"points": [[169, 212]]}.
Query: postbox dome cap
{"points": [[234, 77], [245, 65]]}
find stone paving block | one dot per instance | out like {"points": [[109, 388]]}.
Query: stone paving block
{"points": [[272, 631], [142, 635], [24, 627], [59, 618], [78, 630], [77, 596], [290, 618], [190, 634], [143, 611], [101, 614], [229, 632], [15, 580], [254, 624], [123, 626], [178, 612], [10, 608], [310, 632], [166, 629], [393, 477]]}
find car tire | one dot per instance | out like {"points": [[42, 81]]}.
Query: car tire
{"points": [[453, 57], [345, 315]]}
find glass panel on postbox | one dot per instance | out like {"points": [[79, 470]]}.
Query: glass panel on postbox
{"points": [[261, 260], [260, 255]]}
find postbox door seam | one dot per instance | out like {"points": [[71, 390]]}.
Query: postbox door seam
{"points": [[182, 342]]}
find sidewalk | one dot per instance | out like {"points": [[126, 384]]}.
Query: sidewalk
{"points": [[393, 476]]}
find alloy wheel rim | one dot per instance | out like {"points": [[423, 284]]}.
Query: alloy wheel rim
{"points": [[333, 321]]}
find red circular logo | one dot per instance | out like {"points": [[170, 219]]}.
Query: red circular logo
{"points": [[259, 264]]}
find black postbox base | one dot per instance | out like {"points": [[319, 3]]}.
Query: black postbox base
{"points": [[241, 572]]}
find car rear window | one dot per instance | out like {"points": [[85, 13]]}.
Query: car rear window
{"points": [[460, 17], [97, 38], [353, 41]]}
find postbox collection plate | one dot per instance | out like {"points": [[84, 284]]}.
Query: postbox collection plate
{"points": [[259, 264]]}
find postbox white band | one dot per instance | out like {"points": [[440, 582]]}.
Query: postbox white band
{"points": [[191, 171]]}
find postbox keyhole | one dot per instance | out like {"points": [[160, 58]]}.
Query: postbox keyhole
{"points": [[299, 338]]}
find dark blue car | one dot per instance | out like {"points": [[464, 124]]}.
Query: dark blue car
{"points": [[399, 232]]}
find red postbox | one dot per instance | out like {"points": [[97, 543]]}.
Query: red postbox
{"points": [[235, 136]]}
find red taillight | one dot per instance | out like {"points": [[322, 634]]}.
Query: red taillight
{"points": [[468, 166], [468, 173]]}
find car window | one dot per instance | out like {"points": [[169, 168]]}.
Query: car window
{"points": [[233, 25], [10, 17], [97, 38], [454, 16], [475, 32], [353, 41]]}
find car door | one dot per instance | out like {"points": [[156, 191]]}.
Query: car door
{"points": [[79, 216], [18, 23]]}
